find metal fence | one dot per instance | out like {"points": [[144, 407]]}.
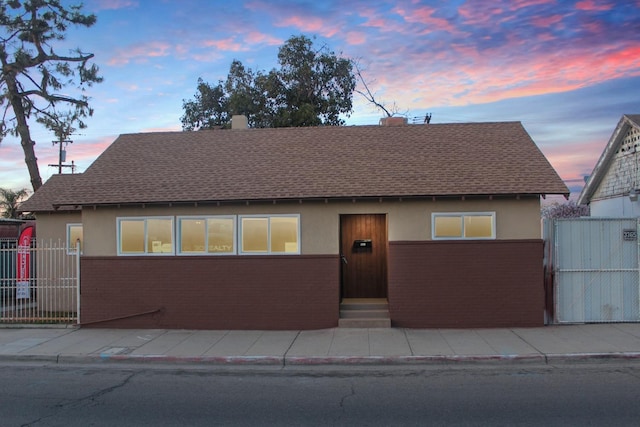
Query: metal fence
{"points": [[596, 275], [50, 291]]}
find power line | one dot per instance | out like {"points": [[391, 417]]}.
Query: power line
{"points": [[62, 156]]}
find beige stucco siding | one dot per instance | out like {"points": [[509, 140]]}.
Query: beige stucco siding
{"points": [[319, 221], [52, 227]]}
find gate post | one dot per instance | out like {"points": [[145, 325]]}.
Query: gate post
{"points": [[78, 282]]}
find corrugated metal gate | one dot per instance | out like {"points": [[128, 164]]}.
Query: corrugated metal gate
{"points": [[595, 265], [50, 295]]}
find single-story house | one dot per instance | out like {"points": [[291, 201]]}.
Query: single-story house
{"points": [[614, 185], [273, 228]]}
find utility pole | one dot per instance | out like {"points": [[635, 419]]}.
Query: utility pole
{"points": [[62, 156]]}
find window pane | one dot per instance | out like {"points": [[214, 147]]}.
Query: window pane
{"points": [[254, 235], [220, 235], [192, 234], [448, 226], [159, 236], [131, 237], [284, 234], [75, 234], [478, 226]]}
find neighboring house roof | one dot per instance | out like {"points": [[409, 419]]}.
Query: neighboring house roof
{"points": [[316, 162], [47, 197], [626, 122], [9, 228]]}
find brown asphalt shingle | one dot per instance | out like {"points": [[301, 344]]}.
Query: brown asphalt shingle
{"points": [[319, 162], [55, 189]]}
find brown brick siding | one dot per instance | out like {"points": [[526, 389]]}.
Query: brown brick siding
{"points": [[472, 284], [236, 292]]}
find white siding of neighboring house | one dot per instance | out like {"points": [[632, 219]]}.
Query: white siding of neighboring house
{"points": [[611, 199], [617, 207]]}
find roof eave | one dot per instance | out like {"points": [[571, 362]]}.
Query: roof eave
{"points": [[316, 198], [603, 162]]}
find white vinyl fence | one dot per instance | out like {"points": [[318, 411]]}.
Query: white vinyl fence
{"points": [[51, 292], [595, 269]]}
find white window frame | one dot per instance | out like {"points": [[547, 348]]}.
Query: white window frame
{"points": [[147, 251], [462, 215], [71, 246], [268, 217], [178, 241]]}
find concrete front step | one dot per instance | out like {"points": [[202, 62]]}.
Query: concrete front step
{"points": [[364, 304], [364, 314], [364, 323]]}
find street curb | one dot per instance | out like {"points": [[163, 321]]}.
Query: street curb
{"points": [[591, 357], [284, 361], [161, 358], [29, 358], [413, 360]]}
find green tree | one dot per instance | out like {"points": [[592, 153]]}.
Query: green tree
{"points": [[208, 109], [311, 87], [248, 94], [34, 77], [10, 200]]}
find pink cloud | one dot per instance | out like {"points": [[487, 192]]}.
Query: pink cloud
{"points": [[464, 75], [356, 37], [381, 23], [593, 6], [140, 53], [255, 37], [546, 21], [81, 153], [424, 15], [207, 57], [484, 15], [575, 160], [182, 49], [473, 16], [228, 44], [87, 151], [311, 24], [114, 4], [520, 4]]}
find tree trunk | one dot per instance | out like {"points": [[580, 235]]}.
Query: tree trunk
{"points": [[23, 130]]}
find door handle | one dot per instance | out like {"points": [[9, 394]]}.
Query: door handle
{"points": [[344, 259]]}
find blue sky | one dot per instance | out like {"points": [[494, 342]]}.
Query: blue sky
{"points": [[567, 69]]}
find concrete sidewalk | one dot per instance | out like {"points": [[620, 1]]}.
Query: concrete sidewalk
{"points": [[337, 346]]}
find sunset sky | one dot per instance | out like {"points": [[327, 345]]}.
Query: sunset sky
{"points": [[567, 70]]}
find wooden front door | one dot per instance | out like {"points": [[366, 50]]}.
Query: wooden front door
{"points": [[363, 249]]}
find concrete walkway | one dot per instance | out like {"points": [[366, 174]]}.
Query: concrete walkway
{"points": [[337, 346]]}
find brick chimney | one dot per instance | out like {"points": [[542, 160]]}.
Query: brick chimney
{"points": [[393, 121]]}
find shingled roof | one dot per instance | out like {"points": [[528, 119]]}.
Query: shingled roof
{"points": [[626, 122], [460, 159], [48, 196]]}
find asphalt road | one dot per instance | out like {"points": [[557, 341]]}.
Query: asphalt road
{"points": [[594, 395]]}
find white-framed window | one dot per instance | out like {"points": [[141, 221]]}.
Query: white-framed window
{"points": [[269, 234], [463, 225], [207, 235], [145, 236], [74, 234]]}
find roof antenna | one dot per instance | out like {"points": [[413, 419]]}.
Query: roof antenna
{"points": [[427, 118]]}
